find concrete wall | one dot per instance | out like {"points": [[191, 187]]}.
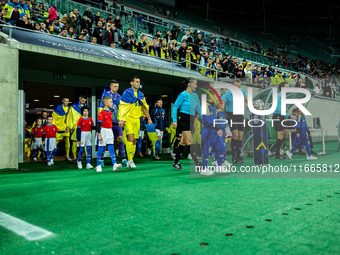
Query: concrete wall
{"points": [[9, 76]]}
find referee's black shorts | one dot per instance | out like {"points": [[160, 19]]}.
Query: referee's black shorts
{"points": [[277, 119], [238, 119], [185, 122]]}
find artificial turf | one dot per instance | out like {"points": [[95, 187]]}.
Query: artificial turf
{"points": [[156, 209]]}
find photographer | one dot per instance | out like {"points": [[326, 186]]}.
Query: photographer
{"points": [[128, 41], [71, 21]]}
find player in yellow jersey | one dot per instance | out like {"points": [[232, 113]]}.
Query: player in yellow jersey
{"points": [[132, 106], [74, 114], [59, 119]]}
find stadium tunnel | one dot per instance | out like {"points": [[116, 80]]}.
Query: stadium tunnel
{"points": [[46, 72]]}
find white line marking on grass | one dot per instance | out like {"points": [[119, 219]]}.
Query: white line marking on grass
{"points": [[22, 228]]}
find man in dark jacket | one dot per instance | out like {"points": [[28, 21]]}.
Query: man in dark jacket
{"points": [[107, 35], [308, 82], [198, 42], [128, 41], [98, 32], [90, 17]]}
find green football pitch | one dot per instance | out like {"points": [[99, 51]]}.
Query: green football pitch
{"points": [[156, 209]]}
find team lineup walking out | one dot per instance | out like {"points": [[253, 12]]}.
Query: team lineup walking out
{"points": [[125, 118]]}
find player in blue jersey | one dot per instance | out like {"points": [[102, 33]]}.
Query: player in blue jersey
{"points": [[189, 105], [160, 119], [301, 138], [236, 122]]}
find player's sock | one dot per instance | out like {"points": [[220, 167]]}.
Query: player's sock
{"points": [[233, 148], [89, 154], [102, 156], [193, 154], [129, 149], [67, 146], [293, 149], [179, 151], [176, 144], [100, 151], [308, 150], [54, 152], [112, 153], [205, 158], [239, 146], [49, 156], [122, 149], [278, 146], [80, 154], [219, 157], [34, 153], [74, 149], [157, 146]]}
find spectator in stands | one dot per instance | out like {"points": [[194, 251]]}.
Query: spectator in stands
{"points": [[238, 72], [116, 37], [168, 37], [94, 40], [329, 91], [128, 41], [84, 23], [52, 13], [168, 14], [13, 11], [187, 38], [218, 65], [278, 78], [44, 28], [56, 26], [158, 34], [122, 10], [154, 48], [190, 58], [248, 71], [23, 22], [70, 33], [3, 13], [308, 82], [151, 26], [141, 21], [208, 69], [142, 46], [173, 51], [83, 36], [118, 24], [97, 32], [109, 18], [175, 31], [182, 52], [97, 17], [164, 50], [107, 35], [226, 65], [90, 19], [63, 32], [36, 26], [78, 19], [71, 21]]}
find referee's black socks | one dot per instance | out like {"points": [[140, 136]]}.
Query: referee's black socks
{"points": [[234, 150], [278, 146], [179, 151]]}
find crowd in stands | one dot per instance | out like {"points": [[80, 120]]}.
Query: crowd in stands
{"points": [[193, 51]]}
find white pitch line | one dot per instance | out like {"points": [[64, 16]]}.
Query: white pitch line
{"points": [[22, 228]]}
